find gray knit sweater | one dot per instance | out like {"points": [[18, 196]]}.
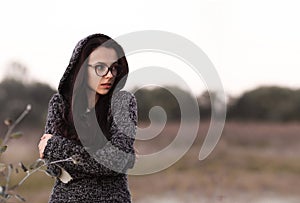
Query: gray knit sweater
{"points": [[100, 177]]}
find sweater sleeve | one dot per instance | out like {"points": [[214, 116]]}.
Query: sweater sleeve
{"points": [[114, 158]]}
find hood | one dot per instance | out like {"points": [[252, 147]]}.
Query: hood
{"points": [[65, 84]]}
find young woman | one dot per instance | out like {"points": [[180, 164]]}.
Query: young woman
{"points": [[92, 119]]}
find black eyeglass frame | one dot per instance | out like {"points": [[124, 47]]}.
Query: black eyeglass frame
{"points": [[109, 68]]}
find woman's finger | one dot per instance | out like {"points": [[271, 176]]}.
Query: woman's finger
{"points": [[43, 143]]}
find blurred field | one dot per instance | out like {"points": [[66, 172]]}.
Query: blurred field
{"points": [[253, 162]]}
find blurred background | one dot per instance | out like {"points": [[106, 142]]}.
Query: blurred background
{"points": [[254, 46]]}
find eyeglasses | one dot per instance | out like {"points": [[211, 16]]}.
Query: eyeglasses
{"points": [[102, 69]]}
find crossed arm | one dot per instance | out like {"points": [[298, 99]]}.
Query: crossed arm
{"points": [[114, 158]]}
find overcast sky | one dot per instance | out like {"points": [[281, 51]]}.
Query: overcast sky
{"points": [[250, 43]]}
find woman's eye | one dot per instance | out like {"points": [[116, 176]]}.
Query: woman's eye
{"points": [[117, 67], [100, 67]]}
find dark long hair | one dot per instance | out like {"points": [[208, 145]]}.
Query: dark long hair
{"points": [[76, 94]]}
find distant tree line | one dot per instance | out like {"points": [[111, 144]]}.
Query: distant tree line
{"points": [[14, 97], [269, 103]]}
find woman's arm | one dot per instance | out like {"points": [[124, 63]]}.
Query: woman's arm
{"points": [[114, 158]]}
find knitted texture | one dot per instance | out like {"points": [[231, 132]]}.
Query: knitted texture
{"points": [[101, 176]]}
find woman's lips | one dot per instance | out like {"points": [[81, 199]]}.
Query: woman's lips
{"points": [[106, 85]]}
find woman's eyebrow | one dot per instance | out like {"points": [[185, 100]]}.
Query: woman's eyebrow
{"points": [[99, 62]]}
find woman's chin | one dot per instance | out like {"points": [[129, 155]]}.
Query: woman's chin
{"points": [[102, 91]]}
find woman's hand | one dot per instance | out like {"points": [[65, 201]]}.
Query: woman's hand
{"points": [[43, 143]]}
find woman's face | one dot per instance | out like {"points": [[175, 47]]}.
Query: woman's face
{"points": [[105, 56]]}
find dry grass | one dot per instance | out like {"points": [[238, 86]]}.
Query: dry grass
{"points": [[251, 158]]}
